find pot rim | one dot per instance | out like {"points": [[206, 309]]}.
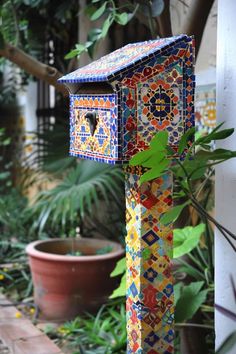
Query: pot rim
{"points": [[33, 252]]}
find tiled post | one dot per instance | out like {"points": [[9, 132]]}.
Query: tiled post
{"points": [[150, 299], [132, 94]]}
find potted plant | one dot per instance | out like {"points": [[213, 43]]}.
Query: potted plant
{"points": [[67, 284], [72, 275]]}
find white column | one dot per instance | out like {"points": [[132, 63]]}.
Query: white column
{"points": [[225, 257]]}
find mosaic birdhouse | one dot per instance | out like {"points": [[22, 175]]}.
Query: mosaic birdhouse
{"points": [[119, 102]]}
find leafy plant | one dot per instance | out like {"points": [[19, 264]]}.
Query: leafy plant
{"points": [[79, 194], [15, 278], [112, 12], [103, 333], [186, 239], [193, 296], [160, 157]]}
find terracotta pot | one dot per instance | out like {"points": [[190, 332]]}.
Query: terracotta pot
{"points": [[65, 285]]}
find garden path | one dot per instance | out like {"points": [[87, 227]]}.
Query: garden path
{"points": [[20, 336]]}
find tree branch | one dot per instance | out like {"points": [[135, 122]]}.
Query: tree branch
{"points": [[33, 67], [196, 20]]}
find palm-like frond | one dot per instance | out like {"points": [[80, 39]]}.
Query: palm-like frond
{"points": [[79, 192]]}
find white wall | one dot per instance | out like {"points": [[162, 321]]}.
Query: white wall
{"points": [[225, 257]]}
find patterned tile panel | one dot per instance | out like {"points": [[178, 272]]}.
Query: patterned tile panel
{"points": [[103, 141], [150, 299], [119, 61], [205, 108]]}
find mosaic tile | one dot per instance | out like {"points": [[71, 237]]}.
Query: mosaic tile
{"points": [[205, 108], [150, 299], [153, 88]]}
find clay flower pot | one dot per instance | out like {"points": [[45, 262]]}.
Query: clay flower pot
{"points": [[65, 285]]}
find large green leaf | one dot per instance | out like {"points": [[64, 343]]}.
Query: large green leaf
{"points": [[177, 292], [155, 172], [186, 239], [119, 268], [99, 12], [173, 213], [106, 25], [192, 297], [184, 139], [155, 159], [159, 141], [122, 18], [140, 157], [215, 135]]}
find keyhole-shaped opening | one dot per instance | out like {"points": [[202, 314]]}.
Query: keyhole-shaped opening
{"points": [[92, 120]]}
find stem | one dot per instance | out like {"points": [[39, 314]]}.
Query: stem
{"points": [[195, 260], [202, 185], [193, 325], [209, 248], [201, 256], [224, 231], [194, 269], [209, 217]]}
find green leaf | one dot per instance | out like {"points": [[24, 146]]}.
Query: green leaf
{"points": [[186, 239], [159, 142], [155, 159], [120, 268], [192, 297], [228, 344], [215, 135], [94, 34], [198, 173], [73, 53], [140, 157], [106, 25], [173, 213], [121, 290], [177, 292], [184, 139], [99, 12], [122, 18], [155, 172]]}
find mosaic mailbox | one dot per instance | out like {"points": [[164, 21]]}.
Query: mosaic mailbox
{"points": [[117, 104]]}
